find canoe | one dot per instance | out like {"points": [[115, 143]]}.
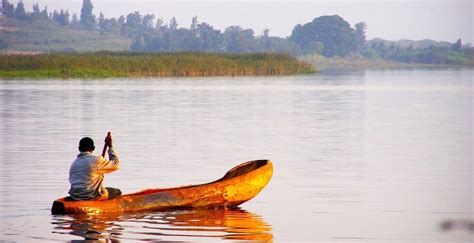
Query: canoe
{"points": [[238, 185]]}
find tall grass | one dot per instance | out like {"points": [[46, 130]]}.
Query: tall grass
{"points": [[125, 64]]}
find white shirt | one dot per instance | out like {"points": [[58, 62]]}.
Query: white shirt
{"points": [[87, 175]]}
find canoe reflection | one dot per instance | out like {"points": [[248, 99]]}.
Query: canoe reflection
{"points": [[235, 224]]}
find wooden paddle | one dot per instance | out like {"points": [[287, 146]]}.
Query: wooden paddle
{"points": [[105, 145]]}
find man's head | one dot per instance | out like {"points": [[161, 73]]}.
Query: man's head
{"points": [[86, 144]]}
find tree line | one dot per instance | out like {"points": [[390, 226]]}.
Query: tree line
{"points": [[330, 36]]}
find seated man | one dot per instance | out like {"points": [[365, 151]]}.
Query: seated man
{"points": [[87, 172]]}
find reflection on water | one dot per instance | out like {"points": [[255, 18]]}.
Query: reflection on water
{"points": [[235, 224], [372, 156]]}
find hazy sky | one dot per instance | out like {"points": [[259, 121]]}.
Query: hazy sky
{"points": [[445, 20]]}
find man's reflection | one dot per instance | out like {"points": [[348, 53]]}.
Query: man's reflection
{"points": [[235, 224]]}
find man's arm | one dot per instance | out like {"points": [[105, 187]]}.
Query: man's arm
{"points": [[107, 166]]}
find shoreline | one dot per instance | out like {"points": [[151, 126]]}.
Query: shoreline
{"points": [[323, 64], [24, 65]]}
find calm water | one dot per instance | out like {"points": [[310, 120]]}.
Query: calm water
{"points": [[382, 156]]}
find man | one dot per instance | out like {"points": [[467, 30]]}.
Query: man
{"points": [[87, 172]]}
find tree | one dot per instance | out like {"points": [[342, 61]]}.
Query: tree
{"points": [[121, 21], [132, 26], [36, 9], [74, 20], [457, 46], [36, 14], [20, 12], [134, 20], [87, 18], [266, 32], [137, 44], [147, 21], [63, 18], [359, 35], [332, 31], [194, 23], [266, 43], [238, 40], [159, 24], [102, 24], [8, 9], [173, 25], [44, 13], [209, 38]]}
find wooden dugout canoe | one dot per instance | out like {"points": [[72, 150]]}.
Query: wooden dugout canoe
{"points": [[239, 185]]}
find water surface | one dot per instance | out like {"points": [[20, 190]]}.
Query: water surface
{"points": [[381, 156]]}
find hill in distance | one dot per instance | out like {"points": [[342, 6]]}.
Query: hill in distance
{"points": [[23, 36]]}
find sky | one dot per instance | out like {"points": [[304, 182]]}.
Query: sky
{"points": [[441, 20]]}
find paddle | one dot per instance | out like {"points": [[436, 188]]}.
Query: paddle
{"points": [[105, 145]]}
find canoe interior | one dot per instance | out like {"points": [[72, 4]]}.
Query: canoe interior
{"points": [[234, 172]]}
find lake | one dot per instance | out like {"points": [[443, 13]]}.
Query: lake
{"points": [[363, 156]]}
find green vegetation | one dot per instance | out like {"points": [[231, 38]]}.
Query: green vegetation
{"points": [[124, 64], [329, 36], [446, 54]]}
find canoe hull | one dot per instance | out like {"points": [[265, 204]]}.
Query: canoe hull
{"points": [[239, 185]]}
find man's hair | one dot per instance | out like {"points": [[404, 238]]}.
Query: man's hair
{"points": [[86, 144]]}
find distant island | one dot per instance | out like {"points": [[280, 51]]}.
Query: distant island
{"points": [[325, 41]]}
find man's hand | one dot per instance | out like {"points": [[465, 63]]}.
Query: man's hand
{"points": [[108, 140]]}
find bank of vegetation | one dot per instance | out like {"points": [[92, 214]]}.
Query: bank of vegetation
{"points": [[126, 64], [330, 37]]}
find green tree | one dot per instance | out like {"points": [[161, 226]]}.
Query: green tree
{"points": [[457, 46], [121, 20], [359, 35], [238, 40], [209, 38], [62, 17], [87, 18], [147, 22], [173, 25], [102, 24], [134, 20], [44, 13], [137, 44], [332, 31], [74, 20], [20, 12], [159, 23], [267, 43], [36, 15], [132, 25], [8, 9], [194, 23], [36, 10]]}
